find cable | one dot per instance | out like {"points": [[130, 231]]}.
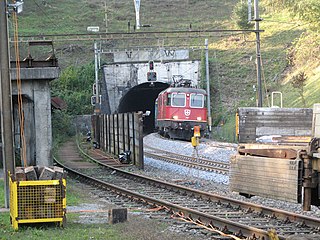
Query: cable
{"points": [[20, 101], [45, 13], [266, 20]]}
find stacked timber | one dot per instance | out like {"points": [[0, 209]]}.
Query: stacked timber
{"points": [[33, 173], [255, 124]]}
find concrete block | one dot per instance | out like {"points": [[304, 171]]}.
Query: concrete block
{"points": [[38, 170], [30, 173], [19, 174], [117, 215], [47, 174], [59, 173]]}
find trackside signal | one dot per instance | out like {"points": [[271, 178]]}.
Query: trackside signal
{"points": [[152, 76], [195, 142], [93, 100], [94, 89], [151, 65], [196, 131]]}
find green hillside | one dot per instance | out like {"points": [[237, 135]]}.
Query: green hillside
{"points": [[289, 44]]}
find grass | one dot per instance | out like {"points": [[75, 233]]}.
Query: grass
{"points": [[74, 195], [2, 193], [232, 57], [234, 75], [73, 230], [69, 16]]}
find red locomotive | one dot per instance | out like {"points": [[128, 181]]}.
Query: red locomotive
{"points": [[179, 109]]}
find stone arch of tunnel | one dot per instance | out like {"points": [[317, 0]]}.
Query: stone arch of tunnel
{"points": [[142, 98]]}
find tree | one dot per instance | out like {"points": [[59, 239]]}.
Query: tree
{"points": [[308, 11], [75, 88], [240, 16], [298, 82]]}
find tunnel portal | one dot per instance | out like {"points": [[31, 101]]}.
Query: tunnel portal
{"points": [[142, 98]]}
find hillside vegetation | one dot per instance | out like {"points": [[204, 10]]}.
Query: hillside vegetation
{"points": [[290, 45]]}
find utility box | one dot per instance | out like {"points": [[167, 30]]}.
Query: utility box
{"points": [[38, 201]]}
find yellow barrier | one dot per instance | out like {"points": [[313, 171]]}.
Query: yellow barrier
{"points": [[37, 201]]}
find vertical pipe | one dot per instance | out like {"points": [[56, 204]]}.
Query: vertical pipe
{"points": [[137, 8], [258, 54], [140, 132], [106, 15], [128, 131], [123, 132], [208, 85], [6, 100], [118, 134], [108, 134], [96, 69], [113, 134], [133, 118]]}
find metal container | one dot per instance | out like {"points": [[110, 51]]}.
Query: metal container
{"points": [[39, 201]]}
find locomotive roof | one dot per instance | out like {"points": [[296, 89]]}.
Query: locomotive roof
{"points": [[185, 90]]}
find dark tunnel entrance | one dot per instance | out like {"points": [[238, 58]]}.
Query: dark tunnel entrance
{"points": [[142, 98]]}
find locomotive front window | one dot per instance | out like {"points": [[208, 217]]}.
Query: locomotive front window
{"points": [[169, 99], [178, 99], [197, 100]]}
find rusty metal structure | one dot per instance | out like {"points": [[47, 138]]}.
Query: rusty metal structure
{"points": [[31, 62], [35, 76]]}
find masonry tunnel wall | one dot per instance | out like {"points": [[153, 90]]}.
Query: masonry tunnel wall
{"points": [[142, 98]]}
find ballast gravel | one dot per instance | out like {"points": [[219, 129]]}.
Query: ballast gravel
{"points": [[206, 181]]}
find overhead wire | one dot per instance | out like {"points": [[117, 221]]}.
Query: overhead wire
{"points": [[23, 150], [44, 12]]}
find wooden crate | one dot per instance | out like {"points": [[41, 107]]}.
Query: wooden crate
{"points": [[274, 178]]}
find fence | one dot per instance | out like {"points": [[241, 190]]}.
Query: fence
{"points": [[119, 133]]}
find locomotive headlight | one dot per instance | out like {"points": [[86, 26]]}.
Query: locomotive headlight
{"points": [[175, 117], [199, 118]]}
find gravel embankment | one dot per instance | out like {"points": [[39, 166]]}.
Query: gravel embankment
{"points": [[206, 181]]}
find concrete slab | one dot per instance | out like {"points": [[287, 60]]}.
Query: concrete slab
{"points": [[4, 210]]}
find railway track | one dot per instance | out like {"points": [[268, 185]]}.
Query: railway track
{"points": [[226, 218], [197, 162]]}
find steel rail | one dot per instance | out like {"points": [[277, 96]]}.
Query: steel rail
{"points": [[215, 222], [207, 219], [197, 163], [278, 213]]}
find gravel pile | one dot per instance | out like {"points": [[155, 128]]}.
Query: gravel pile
{"points": [[206, 181]]}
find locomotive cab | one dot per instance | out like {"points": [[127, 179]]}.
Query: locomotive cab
{"points": [[179, 110]]}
